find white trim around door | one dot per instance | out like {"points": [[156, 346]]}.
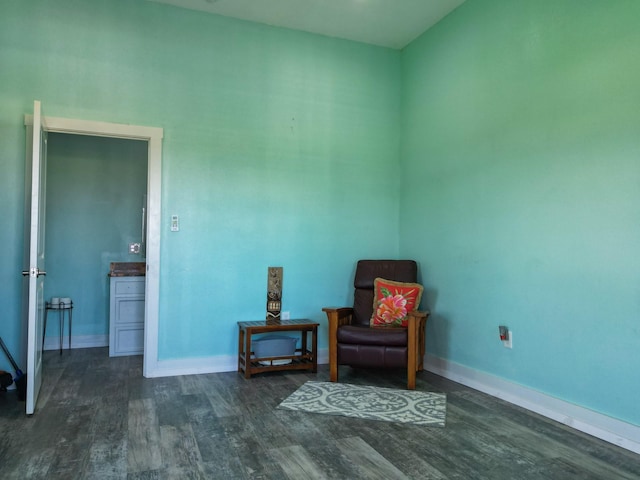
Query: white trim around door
{"points": [[153, 135]]}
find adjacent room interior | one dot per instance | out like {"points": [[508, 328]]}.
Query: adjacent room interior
{"points": [[96, 192]]}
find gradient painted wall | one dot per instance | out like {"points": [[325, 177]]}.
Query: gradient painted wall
{"points": [[521, 161], [95, 189], [280, 149]]}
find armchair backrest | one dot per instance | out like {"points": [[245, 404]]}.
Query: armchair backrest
{"points": [[366, 272]]}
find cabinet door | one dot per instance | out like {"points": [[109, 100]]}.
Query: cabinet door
{"points": [[126, 316]]}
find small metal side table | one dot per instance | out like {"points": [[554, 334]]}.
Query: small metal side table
{"points": [[305, 358], [61, 309]]}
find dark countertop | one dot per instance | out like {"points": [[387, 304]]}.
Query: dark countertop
{"points": [[127, 269]]}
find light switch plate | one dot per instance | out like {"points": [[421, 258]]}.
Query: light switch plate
{"points": [[175, 223]]}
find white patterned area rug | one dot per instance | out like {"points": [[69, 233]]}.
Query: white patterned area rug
{"points": [[371, 403]]}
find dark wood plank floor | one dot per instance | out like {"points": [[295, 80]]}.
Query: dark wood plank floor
{"points": [[99, 418]]}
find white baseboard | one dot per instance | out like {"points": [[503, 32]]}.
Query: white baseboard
{"points": [[323, 356], [77, 341], [612, 430], [194, 366]]}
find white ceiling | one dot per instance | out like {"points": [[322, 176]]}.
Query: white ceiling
{"points": [[388, 23]]}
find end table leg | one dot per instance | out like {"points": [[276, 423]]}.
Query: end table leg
{"points": [[240, 349], [70, 320], [303, 343], [247, 355], [314, 348], [61, 319]]}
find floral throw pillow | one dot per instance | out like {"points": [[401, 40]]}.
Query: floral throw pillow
{"points": [[392, 301]]}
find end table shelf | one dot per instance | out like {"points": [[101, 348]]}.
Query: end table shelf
{"points": [[305, 358]]}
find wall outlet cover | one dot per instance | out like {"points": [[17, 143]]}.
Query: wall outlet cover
{"points": [[508, 343]]}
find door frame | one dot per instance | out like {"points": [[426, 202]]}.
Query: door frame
{"points": [[153, 136]]}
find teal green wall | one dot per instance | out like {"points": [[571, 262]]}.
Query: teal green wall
{"points": [[95, 189], [280, 149], [521, 161]]}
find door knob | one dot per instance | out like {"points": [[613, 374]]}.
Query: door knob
{"points": [[34, 272]]}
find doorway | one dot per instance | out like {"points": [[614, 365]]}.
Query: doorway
{"points": [[153, 137], [95, 206]]}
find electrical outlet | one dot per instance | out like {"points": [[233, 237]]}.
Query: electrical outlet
{"points": [[134, 248], [285, 315], [508, 343]]}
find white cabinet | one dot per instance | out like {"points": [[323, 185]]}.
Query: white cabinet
{"points": [[126, 316]]}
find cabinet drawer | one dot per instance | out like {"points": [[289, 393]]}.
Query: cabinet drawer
{"points": [[129, 287], [128, 341], [129, 310]]}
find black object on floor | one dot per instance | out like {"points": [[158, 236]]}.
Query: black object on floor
{"points": [[5, 380], [20, 378]]}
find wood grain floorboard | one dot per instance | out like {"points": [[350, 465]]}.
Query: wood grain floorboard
{"points": [[109, 420], [296, 463], [303, 430], [331, 461], [223, 399], [53, 377], [179, 446], [143, 448], [107, 459], [98, 418], [418, 465], [227, 467], [368, 461], [170, 409], [34, 466]]}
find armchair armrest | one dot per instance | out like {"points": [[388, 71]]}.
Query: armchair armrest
{"points": [[419, 313], [417, 321], [336, 317]]}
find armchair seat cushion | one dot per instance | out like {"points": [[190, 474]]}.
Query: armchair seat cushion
{"points": [[372, 355], [359, 335]]}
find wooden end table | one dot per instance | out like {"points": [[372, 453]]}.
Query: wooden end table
{"points": [[303, 359]]}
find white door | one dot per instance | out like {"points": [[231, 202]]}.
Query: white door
{"points": [[35, 270]]}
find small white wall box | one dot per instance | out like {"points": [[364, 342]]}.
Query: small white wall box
{"points": [[274, 346]]}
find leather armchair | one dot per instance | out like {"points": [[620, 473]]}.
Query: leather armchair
{"points": [[353, 342]]}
